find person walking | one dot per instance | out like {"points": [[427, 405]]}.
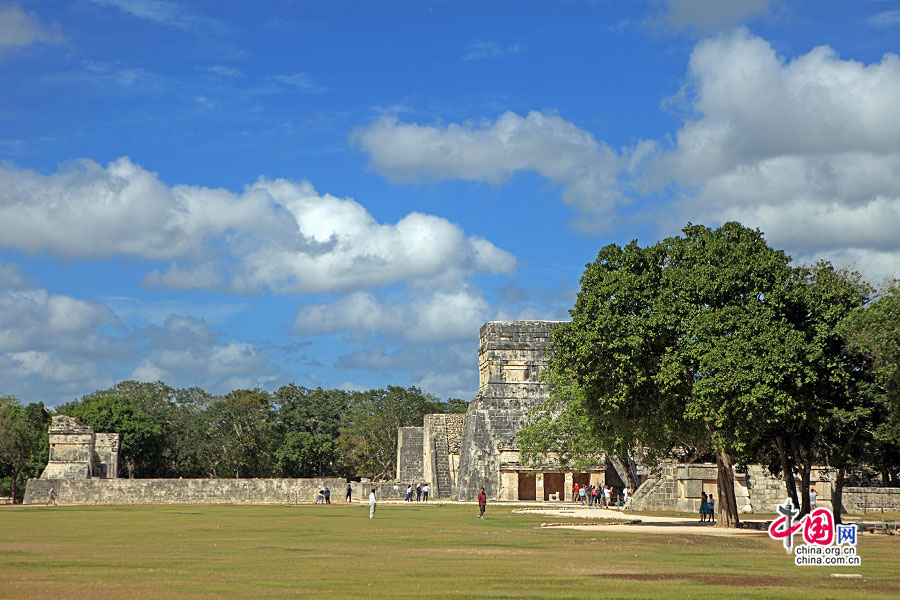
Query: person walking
{"points": [[327, 495], [51, 497], [704, 507], [409, 493], [482, 503], [418, 492], [372, 504], [349, 493]]}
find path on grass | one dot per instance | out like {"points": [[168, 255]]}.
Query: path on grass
{"points": [[641, 524]]}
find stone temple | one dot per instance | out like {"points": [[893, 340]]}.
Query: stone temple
{"points": [[76, 452], [459, 454]]}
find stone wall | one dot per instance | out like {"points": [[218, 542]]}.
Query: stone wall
{"points": [[510, 357], [868, 500], [410, 448], [184, 491], [384, 490], [678, 487], [106, 455], [441, 457]]}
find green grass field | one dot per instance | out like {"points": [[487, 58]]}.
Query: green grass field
{"points": [[435, 551]]}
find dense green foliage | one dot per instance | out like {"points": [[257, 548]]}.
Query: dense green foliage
{"points": [[875, 331], [23, 444], [168, 432], [711, 343]]}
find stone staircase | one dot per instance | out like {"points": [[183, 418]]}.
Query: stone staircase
{"points": [[443, 479]]}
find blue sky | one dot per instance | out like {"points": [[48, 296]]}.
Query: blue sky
{"points": [[227, 195]]}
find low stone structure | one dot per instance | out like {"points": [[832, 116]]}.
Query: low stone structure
{"points": [[186, 491], [868, 500], [77, 452], [679, 487]]}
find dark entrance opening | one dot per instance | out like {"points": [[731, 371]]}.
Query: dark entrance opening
{"points": [[554, 483], [527, 486], [582, 479]]}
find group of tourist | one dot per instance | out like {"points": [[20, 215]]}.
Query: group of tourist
{"points": [[324, 496], [707, 508], [598, 495], [421, 492]]}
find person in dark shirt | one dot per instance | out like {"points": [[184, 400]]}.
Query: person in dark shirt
{"points": [[327, 496], [482, 503]]}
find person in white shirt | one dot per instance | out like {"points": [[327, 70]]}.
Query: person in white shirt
{"points": [[372, 504], [812, 499], [711, 503], [425, 493]]}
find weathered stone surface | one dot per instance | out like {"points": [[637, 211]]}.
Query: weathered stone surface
{"points": [[441, 452], [756, 491], [184, 491], [410, 449], [76, 452], [510, 358], [868, 500]]}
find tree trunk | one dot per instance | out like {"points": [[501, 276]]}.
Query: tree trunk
{"points": [[727, 504], [627, 473], [15, 477], [805, 475], [787, 471], [837, 495]]}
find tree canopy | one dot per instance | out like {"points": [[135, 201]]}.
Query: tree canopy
{"points": [[708, 342], [291, 432]]}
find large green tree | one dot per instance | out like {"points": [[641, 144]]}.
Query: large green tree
{"points": [[239, 435], [311, 422], [23, 440], [176, 412], [874, 330], [369, 438], [682, 344]]}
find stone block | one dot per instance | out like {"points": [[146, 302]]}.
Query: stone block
{"points": [[693, 488]]}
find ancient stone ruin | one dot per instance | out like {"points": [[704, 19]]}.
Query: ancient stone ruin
{"points": [[76, 452], [461, 454]]}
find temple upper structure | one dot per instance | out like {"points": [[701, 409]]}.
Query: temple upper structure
{"points": [[76, 452]]}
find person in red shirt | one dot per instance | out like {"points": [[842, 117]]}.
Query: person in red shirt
{"points": [[482, 503]]}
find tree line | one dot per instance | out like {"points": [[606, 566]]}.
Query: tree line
{"points": [[168, 432], [714, 346]]}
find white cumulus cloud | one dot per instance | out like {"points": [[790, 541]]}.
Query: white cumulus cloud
{"points": [[19, 29], [807, 150], [438, 316], [277, 234], [493, 152]]}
